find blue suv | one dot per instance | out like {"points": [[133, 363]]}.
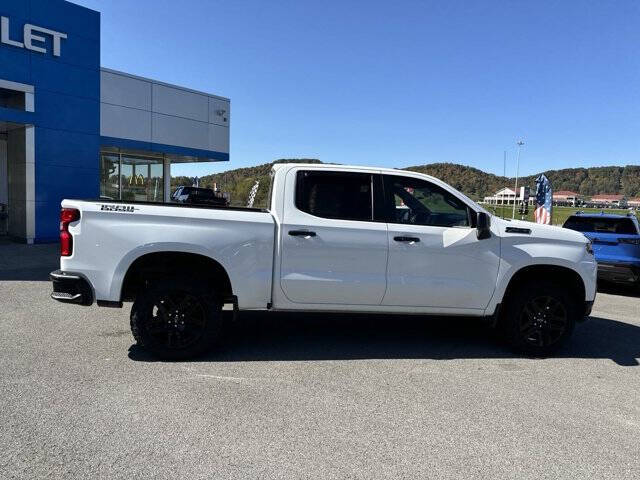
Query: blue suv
{"points": [[616, 244]]}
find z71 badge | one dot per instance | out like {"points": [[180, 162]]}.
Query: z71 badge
{"points": [[119, 208]]}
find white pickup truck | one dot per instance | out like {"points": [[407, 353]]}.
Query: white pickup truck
{"points": [[333, 238]]}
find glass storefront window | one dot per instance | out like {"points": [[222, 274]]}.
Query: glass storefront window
{"points": [[110, 177], [142, 179], [132, 177]]}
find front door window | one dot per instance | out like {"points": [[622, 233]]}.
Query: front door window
{"points": [[417, 202]]}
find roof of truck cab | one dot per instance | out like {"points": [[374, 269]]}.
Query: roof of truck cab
{"points": [[331, 166], [390, 171]]}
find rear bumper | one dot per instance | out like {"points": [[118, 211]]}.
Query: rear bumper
{"points": [[618, 272], [69, 287]]}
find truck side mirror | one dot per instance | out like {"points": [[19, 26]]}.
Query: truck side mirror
{"points": [[483, 222]]}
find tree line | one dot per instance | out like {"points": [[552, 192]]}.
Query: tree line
{"points": [[584, 181]]}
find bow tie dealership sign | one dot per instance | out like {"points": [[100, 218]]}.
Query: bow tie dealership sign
{"points": [[33, 38]]}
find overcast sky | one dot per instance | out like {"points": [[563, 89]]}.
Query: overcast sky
{"points": [[398, 83]]}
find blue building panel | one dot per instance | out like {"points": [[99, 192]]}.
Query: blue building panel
{"points": [[16, 116], [65, 17], [74, 50], [79, 150], [67, 106], [67, 102], [67, 113], [16, 22], [54, 182], [15, 9], [44, 212], [14, 65], [51, 76]]}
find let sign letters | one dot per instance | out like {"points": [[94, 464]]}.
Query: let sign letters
{"points": [[33, 38]]}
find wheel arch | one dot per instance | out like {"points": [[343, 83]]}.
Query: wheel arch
{"points": [[560, 274], [174, 264]]}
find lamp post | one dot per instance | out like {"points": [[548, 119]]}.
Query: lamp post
{"points": [[519, 143]]}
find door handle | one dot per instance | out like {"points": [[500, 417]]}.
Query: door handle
{"points": [[406, 239], [301, 233]]}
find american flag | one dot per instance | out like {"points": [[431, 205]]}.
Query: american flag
{"points": [[544, 200]]}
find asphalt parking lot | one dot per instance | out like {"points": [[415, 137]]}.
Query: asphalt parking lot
{"points": [[314, 396]]}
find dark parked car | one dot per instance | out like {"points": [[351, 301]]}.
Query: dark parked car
{"points": [[198, 196], [616, 244]]}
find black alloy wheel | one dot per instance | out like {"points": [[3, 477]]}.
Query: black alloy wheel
{"points": [[538, 319], [176, 322], [543, 321]]}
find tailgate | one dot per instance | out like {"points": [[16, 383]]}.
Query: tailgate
{"points": [[613, 247]]}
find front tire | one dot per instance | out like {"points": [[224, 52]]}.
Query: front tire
{"points": [[176, 322], [539, 319]]}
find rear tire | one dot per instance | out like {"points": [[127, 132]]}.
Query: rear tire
{"points": [[176, 322], [539, 319]]}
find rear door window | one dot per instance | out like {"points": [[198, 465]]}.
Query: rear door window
{"points": [[623, 226], [336, 195]]}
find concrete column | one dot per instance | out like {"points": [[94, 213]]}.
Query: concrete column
{"points": [[30, 181], [29, 102]]}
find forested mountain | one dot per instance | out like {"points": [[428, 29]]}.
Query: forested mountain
{"points": [[471, 181], [585, 181]]}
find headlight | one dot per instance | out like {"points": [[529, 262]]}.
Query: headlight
{"points": [[589, 247]]}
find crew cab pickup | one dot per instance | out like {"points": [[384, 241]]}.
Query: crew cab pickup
{"points": [[331, 238]]}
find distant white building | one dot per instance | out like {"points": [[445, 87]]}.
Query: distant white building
{"points": [[566, 197], [507, 196], [608, 200]]}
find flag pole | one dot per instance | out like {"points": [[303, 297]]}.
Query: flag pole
{"points": [[519, 143], [504, 175]]}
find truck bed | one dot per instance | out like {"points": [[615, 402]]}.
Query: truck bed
{"points": [[111, 235]]}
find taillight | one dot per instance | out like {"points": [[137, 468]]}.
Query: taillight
{"points": [[67, 215]]}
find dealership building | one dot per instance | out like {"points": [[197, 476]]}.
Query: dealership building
{"points": [[71, 129]]}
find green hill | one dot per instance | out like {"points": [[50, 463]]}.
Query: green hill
{"points": [[472, 181], [585, 181]]}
